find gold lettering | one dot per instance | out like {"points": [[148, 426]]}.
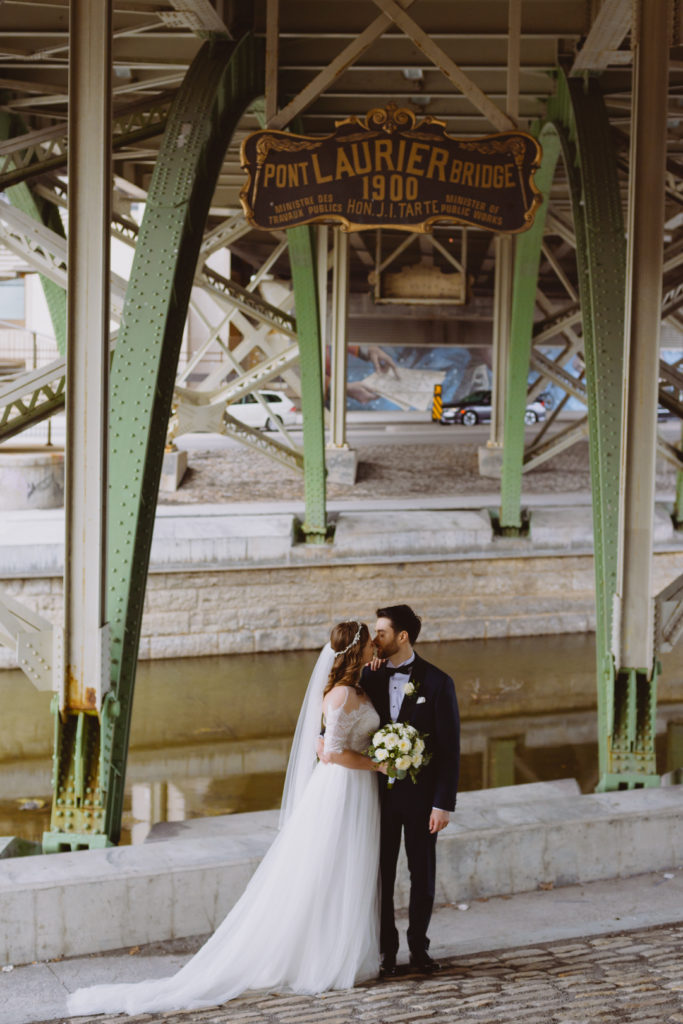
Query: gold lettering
{"points": [[268, 174], [367, 166], [437, 162], [304, 171], [456, 171], [293, 175], [383, 155], [343, 165], [509, 176], [467, 170], [319, 176], [486, 175], [281, 176], [401, 154], [498, 177], [416, 157]]}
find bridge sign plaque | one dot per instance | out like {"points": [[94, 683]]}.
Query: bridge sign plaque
{"points": [[388, 170]]}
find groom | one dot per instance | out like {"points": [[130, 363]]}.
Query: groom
{"points": [[408, 689]]}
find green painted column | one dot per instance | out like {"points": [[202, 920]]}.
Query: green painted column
{"points": [[525, 282], [302, 259]]}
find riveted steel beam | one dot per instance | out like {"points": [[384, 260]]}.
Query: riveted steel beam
{"points": [[302, 259], [525, 278], [219, 86]]}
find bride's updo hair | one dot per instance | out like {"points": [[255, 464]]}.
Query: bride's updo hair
{"points": [[349, 640]]}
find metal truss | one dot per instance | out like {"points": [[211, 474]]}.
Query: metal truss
{"points": [[31, 398], [669, 616], [292, 458], [538, 454], [245, 301], [38, 646], [242, 385], [46, 251], [36, 153]]}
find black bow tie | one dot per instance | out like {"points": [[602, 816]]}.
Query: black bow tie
{"points": [[405, 669]]}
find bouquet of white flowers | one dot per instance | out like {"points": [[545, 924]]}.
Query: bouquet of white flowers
{"points": [[401, 748]]}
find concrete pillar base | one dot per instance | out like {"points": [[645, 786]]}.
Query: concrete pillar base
{"points": [[31, 476], [490, 460], [342, 465], [173, 470]]}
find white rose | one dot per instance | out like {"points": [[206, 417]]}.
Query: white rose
{"points": [[417, 760], [403, 763], [390, 740], [404, 745], [378, 738], [419, 746], [381, 754], [409, 689]]}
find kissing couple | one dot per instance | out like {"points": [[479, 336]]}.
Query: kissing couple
{"points": [[318, 913]]}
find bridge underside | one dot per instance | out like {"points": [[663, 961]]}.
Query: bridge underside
{"points": [[214, 309]]}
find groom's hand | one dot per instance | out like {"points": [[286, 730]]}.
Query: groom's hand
{"points": [[438, 820]]}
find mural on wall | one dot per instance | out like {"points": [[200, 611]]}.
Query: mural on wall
{"points": [[402, 377], [395, 377]]}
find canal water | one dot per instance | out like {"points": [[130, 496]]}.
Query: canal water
{"points": [[211, 735]]}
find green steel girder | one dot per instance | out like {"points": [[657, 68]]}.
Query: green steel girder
{"points": [[221, 83], [525, 282], [23, 199], [577, 121], [303, 267]]}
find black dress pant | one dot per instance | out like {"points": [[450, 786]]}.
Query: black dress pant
{"points": [[420, 847]]}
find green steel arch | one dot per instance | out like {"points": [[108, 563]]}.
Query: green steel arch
{"points": [[224, 79], [576, 125]]}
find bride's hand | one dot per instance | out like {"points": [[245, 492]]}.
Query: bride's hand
{"points": [[382, 768], [376, 663]]}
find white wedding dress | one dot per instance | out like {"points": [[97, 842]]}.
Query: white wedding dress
{"points": [[308, 920]]}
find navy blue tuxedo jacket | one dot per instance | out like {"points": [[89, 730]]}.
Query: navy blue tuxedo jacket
{"points": [[433, 710]]}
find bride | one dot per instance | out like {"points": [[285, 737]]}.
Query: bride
{"points": [[309, 919]]}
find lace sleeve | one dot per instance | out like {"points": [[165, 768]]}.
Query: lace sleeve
{"points": [[338, 724]]}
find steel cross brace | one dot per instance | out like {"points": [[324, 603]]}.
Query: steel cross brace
{"points": [[35, 153]]}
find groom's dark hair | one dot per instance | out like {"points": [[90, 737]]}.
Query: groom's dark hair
{"points": [[402, 617]]}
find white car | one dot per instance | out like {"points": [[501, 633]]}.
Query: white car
{"points": [[278, 409]]}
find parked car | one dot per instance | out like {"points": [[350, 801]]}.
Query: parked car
{"points": [[476, 408], [279, 409]]}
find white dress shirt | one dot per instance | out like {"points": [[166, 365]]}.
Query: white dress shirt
{"points": [[396, 683]]}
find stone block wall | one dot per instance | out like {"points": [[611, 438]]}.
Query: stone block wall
{"points": [[200, 612], [192, 613]]}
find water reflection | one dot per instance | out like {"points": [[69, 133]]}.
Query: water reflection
{"points": [[211, 735]]}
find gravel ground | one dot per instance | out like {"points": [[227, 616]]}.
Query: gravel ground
{"points": [[385, 471]]}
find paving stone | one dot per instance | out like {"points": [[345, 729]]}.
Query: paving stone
{"points": [[630, 988]]}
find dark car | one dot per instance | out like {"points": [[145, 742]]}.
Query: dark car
{"points": [[476, 408]]}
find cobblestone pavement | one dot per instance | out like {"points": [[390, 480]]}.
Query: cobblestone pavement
{"points": [[630, 978], [384, 471]]}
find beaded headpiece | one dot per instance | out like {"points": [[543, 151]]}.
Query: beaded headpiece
{"points": [[355, 639]]}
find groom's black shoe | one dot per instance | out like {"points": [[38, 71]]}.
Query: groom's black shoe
{"points": [[423, 963], [388, 968]]}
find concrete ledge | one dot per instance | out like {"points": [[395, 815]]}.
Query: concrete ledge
{"points": [[198, 537], [501, 842]]}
